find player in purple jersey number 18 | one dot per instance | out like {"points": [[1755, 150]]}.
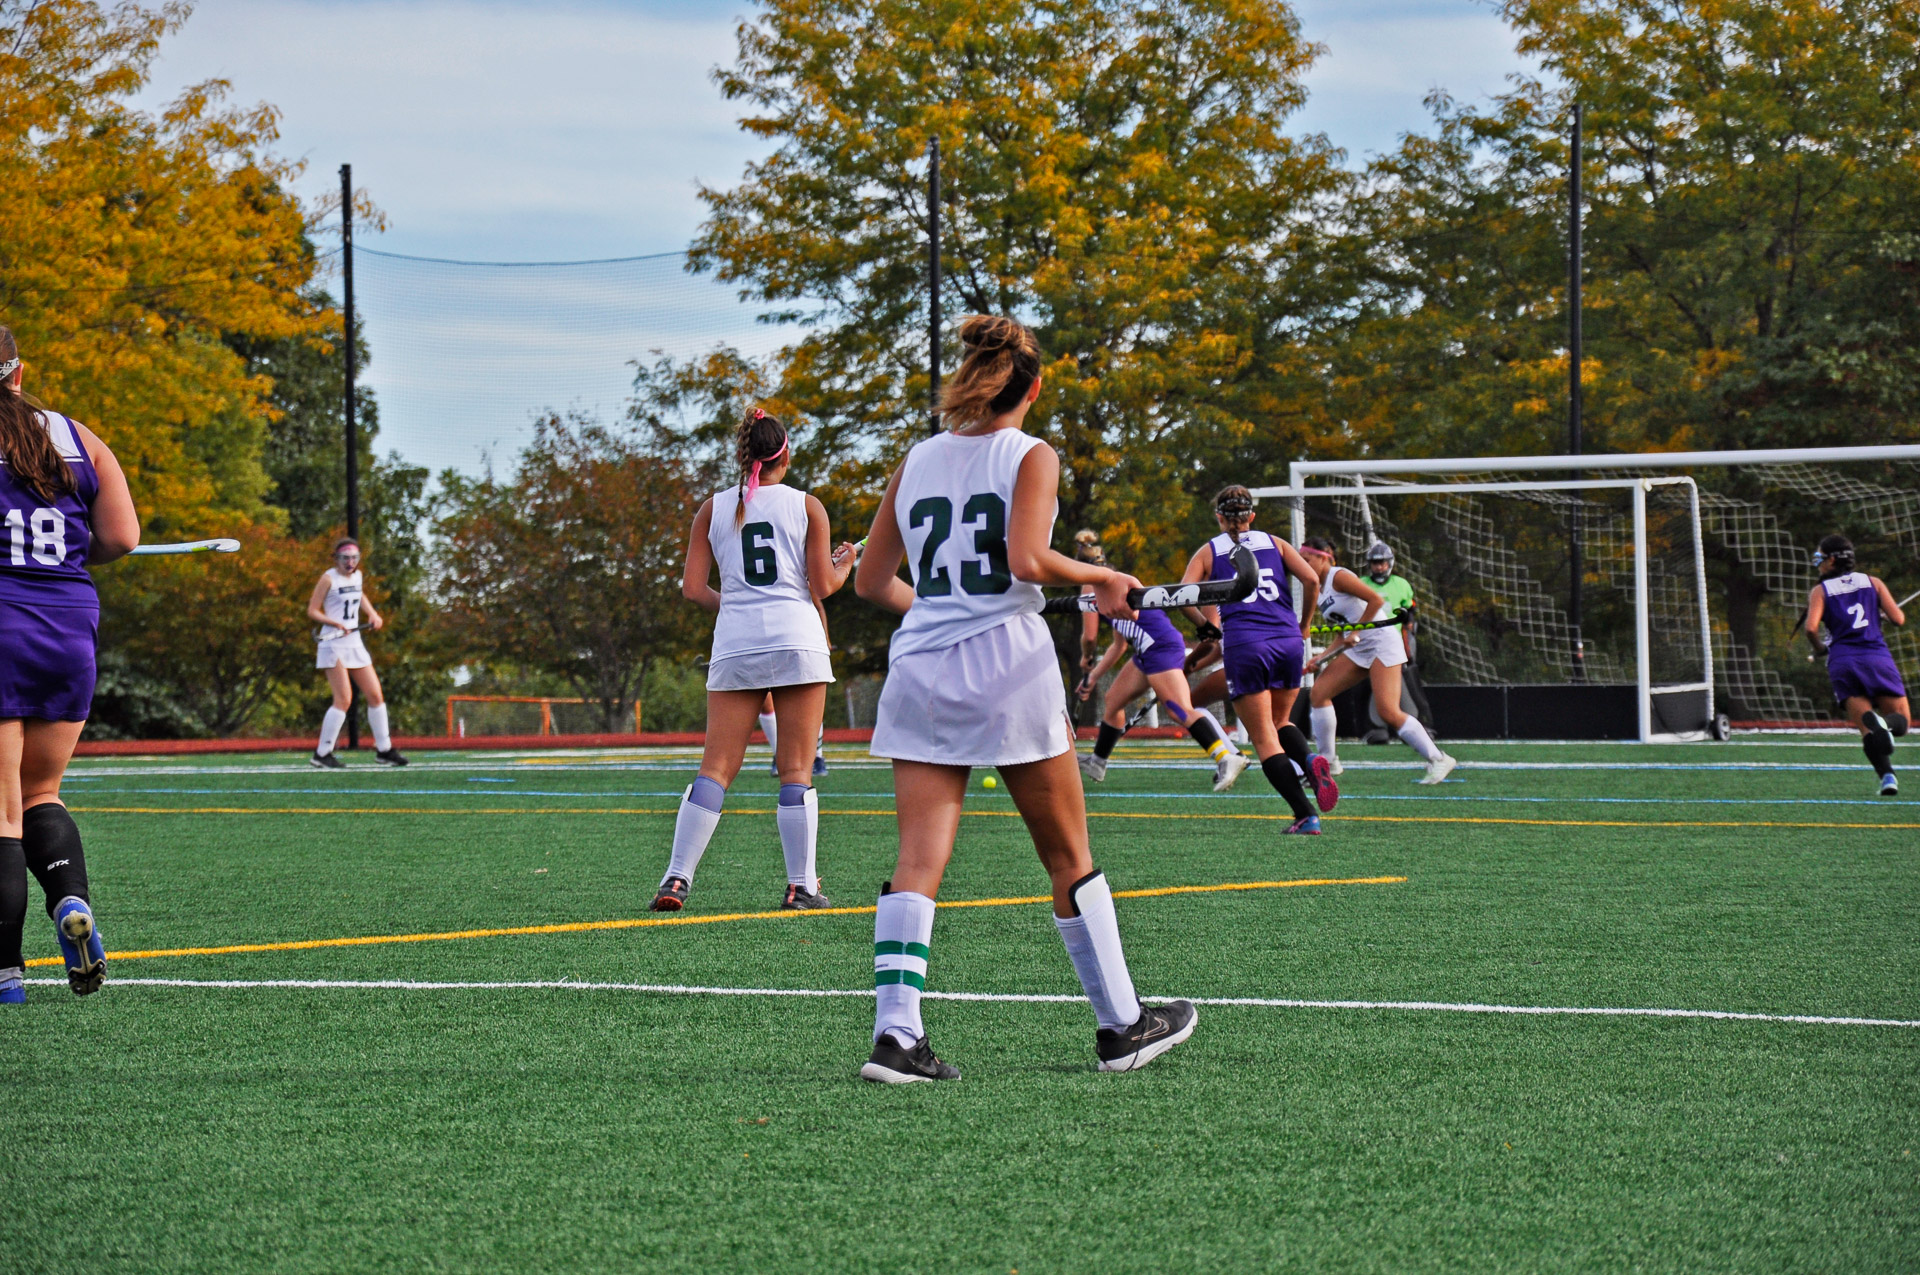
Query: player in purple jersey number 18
{"points": [[1866, 682], [64, 504]]}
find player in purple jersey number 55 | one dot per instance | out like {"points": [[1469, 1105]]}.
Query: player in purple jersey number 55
{"points": [[63, 504], [1866, 682]]}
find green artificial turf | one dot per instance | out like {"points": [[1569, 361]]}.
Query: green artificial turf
{"points": [[283, 1128]]}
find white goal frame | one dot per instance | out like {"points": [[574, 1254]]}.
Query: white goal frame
{"points": [[1297, 492]]}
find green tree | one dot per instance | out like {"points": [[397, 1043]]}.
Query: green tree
{"points": [[571, 566], [1115, 172]]}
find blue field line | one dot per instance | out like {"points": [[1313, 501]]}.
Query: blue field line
{"points": [[1104, 796]]}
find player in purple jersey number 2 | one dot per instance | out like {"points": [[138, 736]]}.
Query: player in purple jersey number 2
{"points": [[1866, 682], [63, 504]]}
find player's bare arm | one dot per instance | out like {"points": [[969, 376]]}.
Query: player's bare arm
{"points": [[1030, 527], [877, 579], [1889, 609], [827, 566], [115, 522], [317, 607], [696, 580]]}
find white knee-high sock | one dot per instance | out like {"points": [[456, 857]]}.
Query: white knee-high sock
{"points": [[377, 719], [1326, 724], [902, 929], [330, 729], [799, 824], [1417, 739], [1093, 943], [767, 728], [692, 830]]}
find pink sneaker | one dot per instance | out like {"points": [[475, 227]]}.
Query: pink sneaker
{"points": [[1326, 793]]}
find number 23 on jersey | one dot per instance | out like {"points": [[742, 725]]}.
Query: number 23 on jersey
{"points": [[986, 515]]}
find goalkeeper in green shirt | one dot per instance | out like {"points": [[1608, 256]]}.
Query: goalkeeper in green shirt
{"points": [[1398, 595]]}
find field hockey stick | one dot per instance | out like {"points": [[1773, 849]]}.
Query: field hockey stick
{"points": [[1902, 603], [1171, 597], [222, 545], [1398, 617]]}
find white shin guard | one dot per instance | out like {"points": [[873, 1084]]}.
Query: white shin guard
{"points": [[330, 730], [692, 830], [1093, 943], [1417, 739], [1326, 726], [377, 722], [770, 730], [799, 836], [902, 931]]}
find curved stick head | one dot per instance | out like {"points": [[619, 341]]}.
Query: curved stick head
{"points": [[1246, 573]]}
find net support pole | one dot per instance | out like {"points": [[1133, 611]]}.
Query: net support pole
{"points": [[1642, 620], [1299, 508], [1575, 357], [352, 433], [1366, 509], [933, 285], [1700, 590]]}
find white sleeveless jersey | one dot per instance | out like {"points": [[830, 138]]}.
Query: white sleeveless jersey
{"points": [[342, 604], [765, 601], [1338, 607], [952, 505]]}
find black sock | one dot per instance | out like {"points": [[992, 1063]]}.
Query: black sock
{"points": [[1109, 736], [1878, 745], [1204, 732], [52, 847], [13, 903], [1295, 742], [1279, 772]]}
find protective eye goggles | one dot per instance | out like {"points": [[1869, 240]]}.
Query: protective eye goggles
{"points": [[1842, 557]]}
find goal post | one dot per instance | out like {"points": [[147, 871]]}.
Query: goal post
{"points": [[1696, 571]]}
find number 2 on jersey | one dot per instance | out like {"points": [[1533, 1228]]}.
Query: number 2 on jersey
{"points": [[989, 542], [1859, 611]]}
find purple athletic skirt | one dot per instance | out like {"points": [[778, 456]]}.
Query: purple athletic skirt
{"points": [[1166, 649], [1262, 662], [1867, 674], [46, 660]]}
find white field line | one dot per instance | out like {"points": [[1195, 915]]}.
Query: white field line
{"points": [[1258, 1002]]}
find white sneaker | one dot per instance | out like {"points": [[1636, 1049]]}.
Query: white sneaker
{"points": [[1239, 735], [1438, 769], [1333, 765], [1094, 768], [1227, 770]]}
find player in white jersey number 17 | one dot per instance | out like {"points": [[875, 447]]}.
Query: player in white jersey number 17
{"points": [[340, 610]]}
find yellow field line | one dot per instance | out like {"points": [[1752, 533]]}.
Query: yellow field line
{"points": [[580, 927], [980, 814]]}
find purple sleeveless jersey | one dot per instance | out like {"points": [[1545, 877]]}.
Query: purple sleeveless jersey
{"points": [[1858, 662], [49, 611], [1261, 643], [1157, 645]]}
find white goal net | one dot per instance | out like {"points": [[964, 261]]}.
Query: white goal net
{"points": [[1487, 551]]}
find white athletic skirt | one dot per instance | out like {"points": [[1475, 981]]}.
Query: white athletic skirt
{"points": [[347, 652], [1379, 646], [764, 670], [994, 699]]}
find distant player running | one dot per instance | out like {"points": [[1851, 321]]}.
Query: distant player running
{"points": [[1159, 664], [973, 680], [63, 504], [772, 546], [1373, 655], [339, 609], [1262, 643], [1866, 682]]}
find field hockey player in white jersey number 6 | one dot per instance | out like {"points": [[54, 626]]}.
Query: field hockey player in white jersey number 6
{"points": [[771, 545], [973, 681], [339, 610]]}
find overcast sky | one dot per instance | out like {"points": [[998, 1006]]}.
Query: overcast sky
{"points": [[511, 130]]}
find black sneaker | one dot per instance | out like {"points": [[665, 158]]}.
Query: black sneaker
{"points": [[1160, 1028], [799, 900], [329, 761], [892, 1065], [672, 896], [391, 757]]}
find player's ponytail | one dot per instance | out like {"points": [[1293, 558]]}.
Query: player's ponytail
{"points": [[25, 445], [1001, 363], [1086, 547], [758, 443]]}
